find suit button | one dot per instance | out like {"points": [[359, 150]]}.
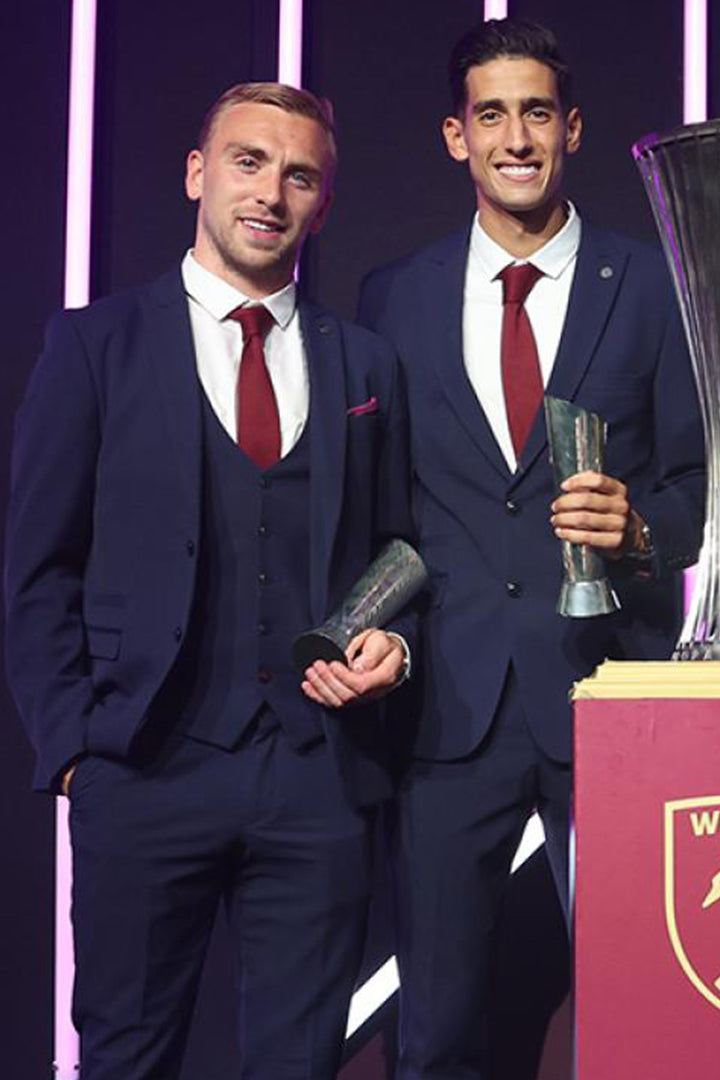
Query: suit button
{"points": [[263, 629], [263, 578], [262, 530], [177, 633], [264, 675], [513, 589], [190, 548], [512, 507]]}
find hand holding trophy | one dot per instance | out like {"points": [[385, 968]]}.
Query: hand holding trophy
{"points": [[388, 584], [577, 443]]}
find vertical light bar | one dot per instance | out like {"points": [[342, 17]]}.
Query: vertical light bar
{"points": [[290, 48], [695, 61], [67, 1049], [76, 293], [496, 9], [290, 43], [80, 148]]}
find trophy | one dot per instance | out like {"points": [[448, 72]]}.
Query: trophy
{"points": [[681, 173], [577, 443], [388, 584]]}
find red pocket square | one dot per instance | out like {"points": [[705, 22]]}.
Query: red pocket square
{"points": [[367, 407]]}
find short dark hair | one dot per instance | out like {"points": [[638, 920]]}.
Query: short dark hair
{"points": [[505, 37], [287, 98]]}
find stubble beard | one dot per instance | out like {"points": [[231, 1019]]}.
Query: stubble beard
{"points": [[265, 269]]}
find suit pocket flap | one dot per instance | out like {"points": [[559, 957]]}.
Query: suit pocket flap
{"points": [[103, 643]]}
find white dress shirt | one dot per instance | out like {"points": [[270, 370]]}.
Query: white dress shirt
{"points": [[219, 342], [546, 307], [218, 348]]}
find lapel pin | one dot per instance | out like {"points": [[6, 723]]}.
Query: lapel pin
{"points": [[606, 272], [324, 328]]}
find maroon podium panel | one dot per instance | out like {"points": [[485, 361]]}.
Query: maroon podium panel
{"points": [[647, 900]]}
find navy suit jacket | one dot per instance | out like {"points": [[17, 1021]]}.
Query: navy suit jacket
{"points": [[104, 520], [484, 531]]}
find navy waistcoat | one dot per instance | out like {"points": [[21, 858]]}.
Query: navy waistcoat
{"points": [[251, 596]]}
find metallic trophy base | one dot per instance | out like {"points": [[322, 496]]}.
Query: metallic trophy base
{"points": [[697, 650], [584, 599], [307, 648]]}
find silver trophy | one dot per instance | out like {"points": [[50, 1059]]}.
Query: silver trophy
{"points": [[577, 443], [389, 583], [681, 172]]}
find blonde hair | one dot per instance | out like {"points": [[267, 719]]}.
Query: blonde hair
{"points": [[287, 98]]}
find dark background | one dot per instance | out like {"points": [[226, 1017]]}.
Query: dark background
{"points": [[382, 63]]}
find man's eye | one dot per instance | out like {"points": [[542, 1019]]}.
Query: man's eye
{"points": [[489, 116], [246, 163], [301, 179], [539, 114]]}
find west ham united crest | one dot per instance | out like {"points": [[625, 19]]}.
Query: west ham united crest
{"points": [[692, 890]]}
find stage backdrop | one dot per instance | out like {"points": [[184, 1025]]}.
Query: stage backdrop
{"points": [[382, 62]]}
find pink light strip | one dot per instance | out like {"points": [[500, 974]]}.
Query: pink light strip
{"points": [[76, 293], [290, 42], [80, 148], [695, 62], [496, 9], [67, 1049]]}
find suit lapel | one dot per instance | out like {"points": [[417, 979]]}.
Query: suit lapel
{"points": [[328, 432], [447, 288], [598, 274], [172, 356]]}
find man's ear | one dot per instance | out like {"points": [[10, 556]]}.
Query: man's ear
{"points": [[194, 175], [321, 216], [573, 130], [454, 133]]}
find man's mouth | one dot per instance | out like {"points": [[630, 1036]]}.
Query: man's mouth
{"points": [[260, 225], [519, 172]]}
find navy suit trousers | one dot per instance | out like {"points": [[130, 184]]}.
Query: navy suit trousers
{"points": [[158, 844], [459, 825]]}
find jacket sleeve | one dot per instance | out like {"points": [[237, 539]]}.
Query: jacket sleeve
{"points": [[49, 530], [394, 491]]}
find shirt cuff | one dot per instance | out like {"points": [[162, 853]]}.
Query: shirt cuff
{"points": [[407, 659]]}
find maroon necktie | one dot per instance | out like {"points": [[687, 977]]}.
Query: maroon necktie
{"points": [[521, 377], [258, 422]]}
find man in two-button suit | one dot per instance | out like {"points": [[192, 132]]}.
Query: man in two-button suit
{"points": [[493, 734], [164, 548]]}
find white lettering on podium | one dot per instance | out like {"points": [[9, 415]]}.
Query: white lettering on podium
{"points": [[705, 823]]}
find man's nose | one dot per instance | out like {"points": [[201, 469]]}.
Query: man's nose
{"points": [[270, 188], [517, 137]]}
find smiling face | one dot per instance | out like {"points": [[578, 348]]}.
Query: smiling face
{"points": [[263, 181], [514, 135]]}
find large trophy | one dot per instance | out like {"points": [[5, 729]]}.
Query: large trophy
{"points": [[577, 442], [681, 172], [388, 584]]}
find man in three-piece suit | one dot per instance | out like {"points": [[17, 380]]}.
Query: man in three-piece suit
{"points": [[175, 522], [531, 296]]}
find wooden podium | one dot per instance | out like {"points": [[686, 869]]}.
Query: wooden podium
{"points": [[647, 881]]}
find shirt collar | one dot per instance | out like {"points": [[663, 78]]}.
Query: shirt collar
{"points": [[219, 298], [552, 258]]}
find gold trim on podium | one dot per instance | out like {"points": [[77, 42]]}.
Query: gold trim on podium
{"points": [[651, 679]]}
